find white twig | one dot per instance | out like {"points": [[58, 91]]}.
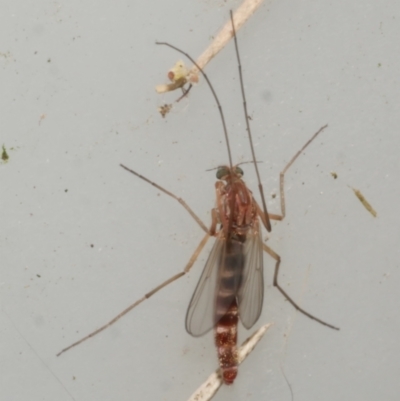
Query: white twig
{"points": [[208, 389], [240, 16]]}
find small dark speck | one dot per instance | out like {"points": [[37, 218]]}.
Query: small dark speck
{"points": [[91, 245], [38, 275], [49, 60], [379, 65], [65, 190]]}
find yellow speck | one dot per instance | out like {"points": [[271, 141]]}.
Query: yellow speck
{"points": [[4, 155]]}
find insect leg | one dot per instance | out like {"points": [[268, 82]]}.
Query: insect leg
{"points": [[180, 200], [171, 279], [146, 296], [277, 258], [282, 177]]}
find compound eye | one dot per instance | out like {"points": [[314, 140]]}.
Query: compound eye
{"points": [[239, 171], [222, 172]]}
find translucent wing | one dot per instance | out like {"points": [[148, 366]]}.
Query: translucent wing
{"points": [[249, 289], [200, 313], [251, 292]]}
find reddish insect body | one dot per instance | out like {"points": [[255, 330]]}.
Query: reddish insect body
{"points": [[226, 342], [231, 286]]}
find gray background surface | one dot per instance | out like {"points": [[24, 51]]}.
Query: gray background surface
{"points": [[78, 98]]}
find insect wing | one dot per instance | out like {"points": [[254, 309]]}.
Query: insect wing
{"points": [[200, 313], [251, 292]]}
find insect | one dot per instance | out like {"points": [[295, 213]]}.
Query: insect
{"points": [[231, 287]]}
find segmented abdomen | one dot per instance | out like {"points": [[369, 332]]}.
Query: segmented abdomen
{"points": [[226, 308]]}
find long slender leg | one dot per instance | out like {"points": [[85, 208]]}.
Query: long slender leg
{"points": [[282, 177], [180, 200], [171, 279], [146, 296], [285, 294], [273, 254]]}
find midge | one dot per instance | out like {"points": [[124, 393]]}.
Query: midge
{"points": [[231, 286]]}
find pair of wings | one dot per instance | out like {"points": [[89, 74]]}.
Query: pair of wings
{"points": [[200, 316]]}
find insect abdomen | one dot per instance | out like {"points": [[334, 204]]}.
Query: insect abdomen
{"points": [[227, 315], [225, 340]]}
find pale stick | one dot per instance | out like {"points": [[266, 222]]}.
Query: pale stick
{"points": [[179, 75], [208, 389]]}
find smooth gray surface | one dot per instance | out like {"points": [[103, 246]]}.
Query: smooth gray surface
{"points": [[89, 68]]}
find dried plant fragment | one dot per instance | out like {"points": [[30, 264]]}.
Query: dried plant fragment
{"points": [[178, 75], [365, 203], [164, 109], [241, 15], [4, 155], [210, 387]]}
